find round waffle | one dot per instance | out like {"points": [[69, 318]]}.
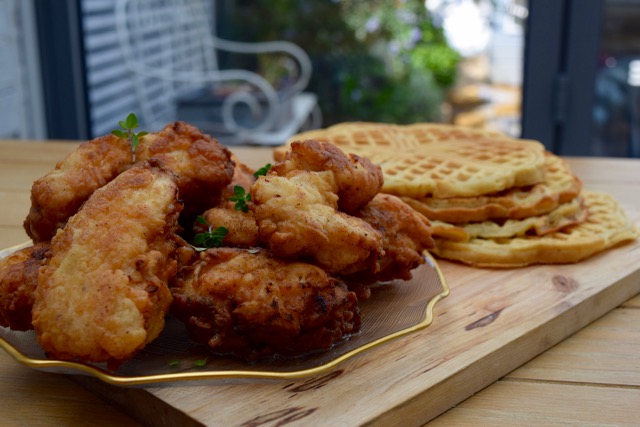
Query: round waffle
{"points": [[367, 135], [606, 226], [566, 214], [437, 160], [559, 186]]}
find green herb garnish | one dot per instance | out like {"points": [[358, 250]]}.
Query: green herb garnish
{"points": [[200, 362], [241, 198], [174, 363], [262, 171], [209, 239], [127, 132]]}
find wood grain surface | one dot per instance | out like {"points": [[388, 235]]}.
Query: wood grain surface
{"points": [[29, 397], [492, 323], [590, 379]]}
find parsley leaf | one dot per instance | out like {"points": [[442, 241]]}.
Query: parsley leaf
{"points": [[241, 198], [210, 239], [262, 171], [200, 362], [128, 125]]}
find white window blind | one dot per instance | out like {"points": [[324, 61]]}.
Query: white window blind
{"points": [[21, 113], [111, 91]]}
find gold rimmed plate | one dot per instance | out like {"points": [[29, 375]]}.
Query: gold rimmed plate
{"points": [[395, 309]]}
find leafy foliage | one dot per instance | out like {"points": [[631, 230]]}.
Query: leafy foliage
{"points": [[211, 238], [241, 198], [126, 131], [375, 60], [262, 171]]}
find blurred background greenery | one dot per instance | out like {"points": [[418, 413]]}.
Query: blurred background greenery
{"points": [[379, 60]]}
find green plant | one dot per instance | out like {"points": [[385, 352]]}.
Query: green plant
{"points": [[404, 35], [126, 131], [375, 60], [212, 238]]}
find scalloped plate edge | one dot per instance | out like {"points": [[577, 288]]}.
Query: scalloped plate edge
{"points": [[60, 366]]}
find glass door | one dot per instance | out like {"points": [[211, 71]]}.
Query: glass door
{"points": [[617, 82], [582, 77]]}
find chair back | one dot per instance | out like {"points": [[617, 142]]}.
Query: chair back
{"points": [[161, 39], [170, 50]]}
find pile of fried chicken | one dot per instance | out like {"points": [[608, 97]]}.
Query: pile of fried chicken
{"points": [[112, 253]]}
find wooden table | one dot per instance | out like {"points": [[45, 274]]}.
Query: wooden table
{"points": [[591, 377]]}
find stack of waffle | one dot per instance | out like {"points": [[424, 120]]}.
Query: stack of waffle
{"points": [[493, 201]]}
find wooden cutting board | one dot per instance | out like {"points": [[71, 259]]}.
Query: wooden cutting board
{"points": [[493, 322]]}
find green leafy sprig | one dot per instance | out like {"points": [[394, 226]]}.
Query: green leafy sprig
{"points": [[241, 197], [200, 362], [209, 239], [127, 132], [262, 171]]}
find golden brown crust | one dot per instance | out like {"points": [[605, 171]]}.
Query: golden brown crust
{"points": [[202, 165], [406, 234], [358, 180], [559, 186], [298, 218], [103, 294], [565, 215], [60, 193], [18, 282], [241, 226], [254, 305], [242, 176], [302, 208], [605, 227]]}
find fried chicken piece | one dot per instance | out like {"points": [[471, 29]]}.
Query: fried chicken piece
{"points": [[358, 179], [242, 176], [18, 282], [254, 305], [299, 208], [104, 293], [203, 167], [297, 218], [406, 234], [242, 227], [60, 193]]}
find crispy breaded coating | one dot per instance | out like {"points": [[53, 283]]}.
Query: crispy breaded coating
{"points": [[242, 227], [299, 208], [103, 294], [254, 305], [358, 180], [60, 193], [242, 176], [297, 218], [18, 282], [406, 234], [203, 167]]}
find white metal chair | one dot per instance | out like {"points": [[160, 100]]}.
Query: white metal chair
{"points": [[170, 47]]}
